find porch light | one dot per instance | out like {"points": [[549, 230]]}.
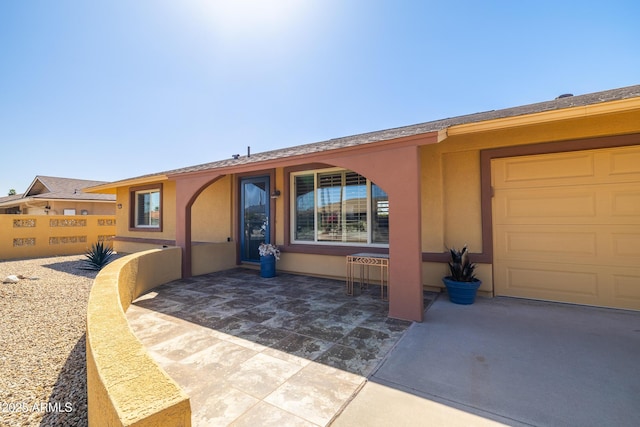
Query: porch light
{"points": [[275, 194]]}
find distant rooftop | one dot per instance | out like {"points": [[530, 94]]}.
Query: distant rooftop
{"points": [[52, 188]]}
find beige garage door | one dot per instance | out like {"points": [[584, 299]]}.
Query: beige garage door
{"points": [[567, 227]]}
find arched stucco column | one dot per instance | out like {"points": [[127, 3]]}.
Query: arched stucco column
{"points": [[397, 171], [187, 190]]}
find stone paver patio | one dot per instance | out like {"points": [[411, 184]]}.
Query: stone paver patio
{"points": [[290, 350]]}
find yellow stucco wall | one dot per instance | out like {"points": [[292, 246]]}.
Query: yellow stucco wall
{"points": [[133, 247], [211, 213], [125, 386], [32, 236], [451, 211], [168, 214], [314, 265], [280, 207], [168, 221], [211, 257]]}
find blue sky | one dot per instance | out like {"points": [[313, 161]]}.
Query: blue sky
{"points": [[109, 90]]}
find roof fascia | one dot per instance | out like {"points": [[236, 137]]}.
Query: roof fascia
{"points": [[46, 199], [318, 157], [617, 106], [17, 201], [111, 188]]}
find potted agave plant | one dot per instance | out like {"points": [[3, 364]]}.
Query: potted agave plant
{"points": [[269, 254], [462, 285]]}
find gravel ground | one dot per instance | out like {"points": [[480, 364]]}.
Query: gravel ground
{"points": [[43, 377]]}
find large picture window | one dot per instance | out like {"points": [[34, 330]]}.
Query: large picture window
{"points": [[146, 212], [338, 207]]}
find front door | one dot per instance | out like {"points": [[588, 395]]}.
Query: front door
{"points": [[254, 216]]}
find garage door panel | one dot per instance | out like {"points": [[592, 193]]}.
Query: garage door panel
{"points": [[626, 290], [607, 287], [576, 168], [550, 244], [533, 169], [544, 280], [626, 203], [592, 204], [624, 162], [570, 244], [546, 204], [569, 235], [626, 245]]}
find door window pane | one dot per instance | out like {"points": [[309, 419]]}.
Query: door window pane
{"points": [[255, 211]]}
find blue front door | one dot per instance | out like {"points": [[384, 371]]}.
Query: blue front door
{"points": [[254, 216]]}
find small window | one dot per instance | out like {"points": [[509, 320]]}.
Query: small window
{"points": [[146, 208]]}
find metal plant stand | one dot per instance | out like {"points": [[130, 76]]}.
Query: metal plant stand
{"points": [[363, 262]]}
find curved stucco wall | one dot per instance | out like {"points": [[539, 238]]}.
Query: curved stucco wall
{"points": [[125, 386]]}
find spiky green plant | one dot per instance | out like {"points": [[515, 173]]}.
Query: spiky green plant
{"points": [[97, 256], [460, 267]]}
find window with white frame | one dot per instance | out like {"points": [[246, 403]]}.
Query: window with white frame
{"points": [[147, 208], [338, 207]]}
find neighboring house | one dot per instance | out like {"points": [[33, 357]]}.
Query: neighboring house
{"points": [[49, 195], [546, 196]]}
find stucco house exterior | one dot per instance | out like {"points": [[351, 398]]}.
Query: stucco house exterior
{"points": [[48, 195], [546, 196]]}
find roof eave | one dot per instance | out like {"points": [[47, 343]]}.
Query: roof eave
{"points": [[15, 202], [609, 107], [69, 199], [112, 187]]}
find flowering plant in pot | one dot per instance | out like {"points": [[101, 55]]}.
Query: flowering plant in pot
{"points": [[462, 284], [269, 254]]}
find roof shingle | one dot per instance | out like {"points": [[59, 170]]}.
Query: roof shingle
{"points": [[411, 130]]}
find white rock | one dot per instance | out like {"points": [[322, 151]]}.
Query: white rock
{"points": [[11, 279]]}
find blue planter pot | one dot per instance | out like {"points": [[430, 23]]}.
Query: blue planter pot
{"points": [[268, 266], [461, 292]]}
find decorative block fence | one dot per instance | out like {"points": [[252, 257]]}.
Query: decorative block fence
{"points": [[35, 236]]}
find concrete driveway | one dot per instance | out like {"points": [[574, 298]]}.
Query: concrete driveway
{"points": [[508, 361]]}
